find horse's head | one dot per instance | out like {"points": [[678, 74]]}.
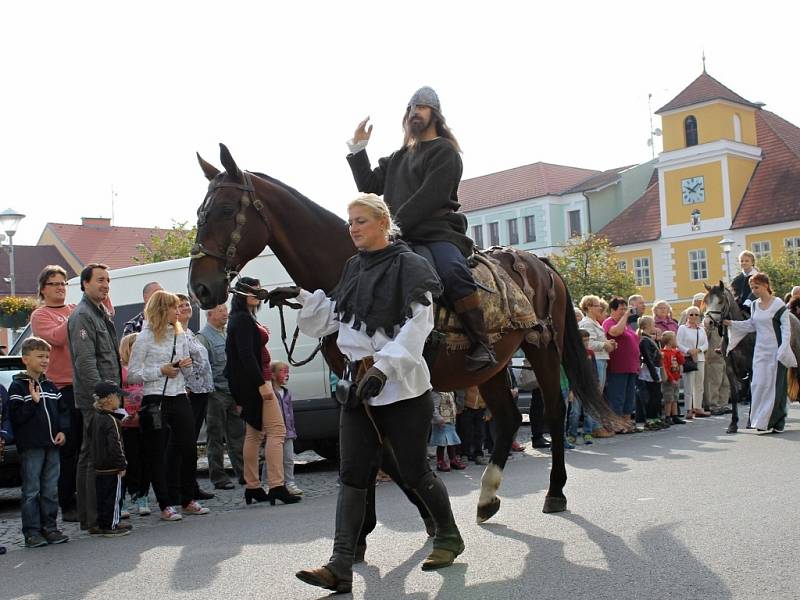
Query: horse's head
{"points": [[717, 303], [231, 230]]}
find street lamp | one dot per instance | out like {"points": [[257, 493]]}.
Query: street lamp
{"points": [[727, 246], [9, 221]]}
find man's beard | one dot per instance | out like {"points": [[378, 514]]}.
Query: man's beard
{"points": [[416, 125]]}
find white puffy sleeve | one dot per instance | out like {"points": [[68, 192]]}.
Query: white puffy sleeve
{"points": [[785, 354], [317, 317], [403, 353], [738, 330]]}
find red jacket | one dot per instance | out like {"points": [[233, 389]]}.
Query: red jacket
{"points": [[673, 360]]}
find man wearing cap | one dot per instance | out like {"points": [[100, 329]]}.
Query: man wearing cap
{"points": [[419, 183]]}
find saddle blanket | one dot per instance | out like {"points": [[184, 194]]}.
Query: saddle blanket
{"points": [[505, 307]]}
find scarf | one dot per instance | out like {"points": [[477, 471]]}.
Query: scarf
{"points": [[378, 288]]}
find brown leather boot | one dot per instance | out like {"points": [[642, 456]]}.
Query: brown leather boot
{"points": [[469, 312]]}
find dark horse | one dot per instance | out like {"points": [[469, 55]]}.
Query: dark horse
{"points": [[243, 212], [721, 306]]}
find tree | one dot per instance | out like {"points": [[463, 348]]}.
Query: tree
{"points": [[783, 271], [589, 266], [176, 242]]}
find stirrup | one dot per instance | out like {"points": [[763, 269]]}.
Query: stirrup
{"points": [[480, 358], [440, 558]]}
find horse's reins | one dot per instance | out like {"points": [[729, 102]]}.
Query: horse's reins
{"points": [[247, 199]]}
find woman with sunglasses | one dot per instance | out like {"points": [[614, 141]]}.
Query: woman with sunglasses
{"points": [[693, 342]]}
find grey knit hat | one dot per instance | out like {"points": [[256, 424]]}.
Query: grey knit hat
{"points": [[425, 96]]}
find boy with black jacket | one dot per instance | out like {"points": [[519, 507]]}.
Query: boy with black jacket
{"points": [[40, 420], [108, 457]]}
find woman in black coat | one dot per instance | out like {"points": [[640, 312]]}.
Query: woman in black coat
{"points": [[261, 411]]}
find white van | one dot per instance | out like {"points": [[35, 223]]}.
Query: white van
{"points": [[316, 412]]}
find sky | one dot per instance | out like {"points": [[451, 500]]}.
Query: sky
{"points": [[109, 95]]}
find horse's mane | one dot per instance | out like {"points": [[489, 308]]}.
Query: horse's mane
{"points": [[733, 308], [321, 211]]}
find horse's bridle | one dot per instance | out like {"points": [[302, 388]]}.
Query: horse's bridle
{"points": [[721, 314], [247, 199]]}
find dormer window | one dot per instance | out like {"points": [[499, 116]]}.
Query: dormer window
{"points": [[690, 129]]}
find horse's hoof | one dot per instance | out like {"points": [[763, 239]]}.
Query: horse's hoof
{"points": [[487, 511], [732, 429], [553, 504]]}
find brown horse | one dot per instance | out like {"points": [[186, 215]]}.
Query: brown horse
{"points": [[243, 212]]}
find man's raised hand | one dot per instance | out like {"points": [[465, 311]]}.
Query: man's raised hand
{"points": [[362, 132]]}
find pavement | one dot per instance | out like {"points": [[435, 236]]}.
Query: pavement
{"points": [[685, 513]]}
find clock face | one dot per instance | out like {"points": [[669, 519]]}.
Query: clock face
{"points": [[693, 190]]}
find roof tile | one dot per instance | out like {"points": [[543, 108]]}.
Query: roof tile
{"points": [[520, 183], [703, 89], [28, 263], [640, 222], [773, 194], [112, 245]]}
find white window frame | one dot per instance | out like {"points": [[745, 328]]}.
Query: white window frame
{"points": [[477, 235], [791, 244], [569, 223], [761, 249], [698, 266], [494, 233], [641, 271], [530, 228], [513, 231]]}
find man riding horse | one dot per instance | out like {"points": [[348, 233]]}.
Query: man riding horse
{"points": [[419, 183]]}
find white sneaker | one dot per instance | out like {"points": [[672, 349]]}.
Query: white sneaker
{"points": [[293, 489], [143, 505], [195, 508], [170, 514]]}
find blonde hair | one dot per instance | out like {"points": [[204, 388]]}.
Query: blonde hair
{"points": [[658, 303], [101, 403], [587, 300], [667, 337], [643, 323], [749, 254], [157, 313], [126, 347], [377, 207], [277, 365]]}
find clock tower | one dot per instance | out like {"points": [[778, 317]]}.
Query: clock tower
{"points": [[709, 156]]}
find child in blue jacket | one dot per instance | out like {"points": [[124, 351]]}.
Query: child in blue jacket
{"points": [[40, 421]]}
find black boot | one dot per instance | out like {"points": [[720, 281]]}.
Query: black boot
{"points": [[480, 354], [447, 544], [282, 494], [337, 575]]}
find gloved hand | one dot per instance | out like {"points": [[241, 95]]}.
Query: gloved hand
{"points": [[371, 384], [280, 295]]}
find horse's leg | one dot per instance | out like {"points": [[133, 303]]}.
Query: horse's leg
{"points": [[546, 364], [496, 392], [736, 387]]}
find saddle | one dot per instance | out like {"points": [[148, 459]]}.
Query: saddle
{"points": [[506, 306]]}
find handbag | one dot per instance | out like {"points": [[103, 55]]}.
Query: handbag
{"points": [[346, 387], [689, 363], [150, 417]]}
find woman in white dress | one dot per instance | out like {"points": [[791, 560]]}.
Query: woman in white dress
{"points": [[769, 320], [692, 340]]}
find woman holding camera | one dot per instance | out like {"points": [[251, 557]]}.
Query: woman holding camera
{"points": [[382, 311], [161, 360]]}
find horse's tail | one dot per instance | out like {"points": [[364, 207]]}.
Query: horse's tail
{"points": [[580, 371]]}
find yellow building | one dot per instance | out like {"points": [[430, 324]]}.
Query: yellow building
{"points": [[729, 169]]}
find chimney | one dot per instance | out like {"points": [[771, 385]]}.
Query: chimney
{"points": [[96, 221]]}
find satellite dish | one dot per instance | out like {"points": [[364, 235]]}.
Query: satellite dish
{"points": [[657, 131]]}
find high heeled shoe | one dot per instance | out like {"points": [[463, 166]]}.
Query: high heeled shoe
{"points": [[282, 494], [256, 495]]}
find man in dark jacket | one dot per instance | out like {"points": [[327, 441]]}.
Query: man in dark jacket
{"points": [[741, 283], [419, 183], [108, 457], [95, 358]]}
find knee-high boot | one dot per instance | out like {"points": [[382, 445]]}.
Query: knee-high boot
{"points": [[469, 312], [447, 544], [337, 575]]}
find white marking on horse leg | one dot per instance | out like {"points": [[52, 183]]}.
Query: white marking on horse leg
{"points": [[490, 483]]}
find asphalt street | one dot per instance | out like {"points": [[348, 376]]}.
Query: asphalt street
{"points": [[686, 513]]}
